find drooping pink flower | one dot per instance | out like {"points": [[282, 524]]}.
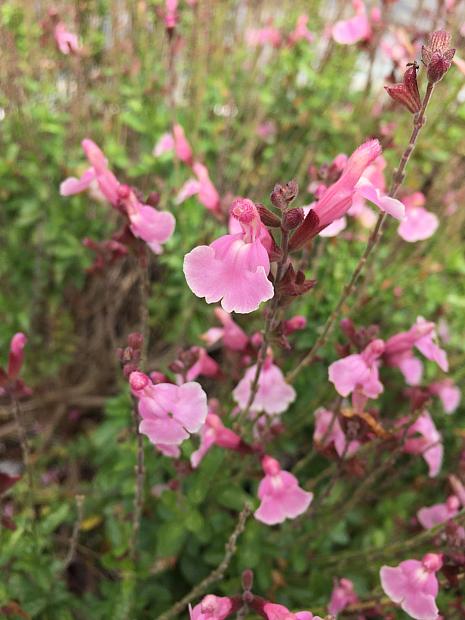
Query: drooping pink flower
{"points": [[355, 29], [448, 393], [171, 14], [273, 611], [419, 224], [16, 355], [301, 31], [329, 431], [231, 334], [273, 395], [398, 351], [414, 586], [214, 432], [424, 438], [358, 373], [234, 268], [280, 495], [170, 413], [205, 365], [202, 187], [213, 608], [338, 198], [438, 513], [66, 41], [342, 596]]}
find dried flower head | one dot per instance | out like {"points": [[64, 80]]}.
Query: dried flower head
{"points": [[437, 57], [407, 92]]}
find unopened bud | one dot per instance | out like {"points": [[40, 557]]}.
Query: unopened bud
{"points": [[135, 340], [153, 199], [293, 218], [268, 217], [438, 55], [247, 579], [283, 195]]}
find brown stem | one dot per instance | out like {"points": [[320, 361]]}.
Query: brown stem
{"points": [[397, 179], [216, 574], [75, 535]]}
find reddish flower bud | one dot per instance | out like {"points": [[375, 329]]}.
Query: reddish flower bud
{"points": [[438, 56], [407, 93], [135, 340], [306, 231], [247, 579], [283, 195], [267, 217], [293, 218], [153, 199]]}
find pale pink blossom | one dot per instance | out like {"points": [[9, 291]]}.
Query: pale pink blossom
{"points": [[424, 438], [164, 145], [177, 142], [273, 611], [234, 268], [328, 431], [16, 355], [231, 334], [66, 41], [212, 608], [355, 29], [273, 395], [202, 187], [438, 513], [338, 197], [419, 224], [342, 596], [301, 31], [214, 432], [280, 495], [205, 365], [258, 37], [358, 373], [171, 15], [414, 586], [170, 413], [448, 393]]}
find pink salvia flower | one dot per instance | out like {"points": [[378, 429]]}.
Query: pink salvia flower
{"points": [[66, 41], [164, 145], [212, 608], [355, 29], [169, 412], [182, 148], [342, 596], [329, 432], [448, 393], [202, 187], [273, 611], [234, 268], [358, 372], [414, 586], [264, 36], [438, 513], [171, 16], [301, 31], [419, 224], [16, 355], [273, 395], [205, 365], [423, 438], [214, 433], [231, 334], [338, 198], [280, 495]]}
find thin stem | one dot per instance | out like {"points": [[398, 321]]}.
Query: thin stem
{"points": [[397, 179], [26, 452], [217, 573], [75, 535]]}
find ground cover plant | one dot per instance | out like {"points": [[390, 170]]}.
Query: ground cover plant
{"points": [[231, 308]]}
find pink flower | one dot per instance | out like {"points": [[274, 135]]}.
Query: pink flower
{"points": [[414, 586], [301, 31], [296, 323], [398, 351], [203, 187], [355, 29], [205, 365], [358, 372], [171, 16], [16, 355], [213, 608], [233, 336], [66, 41], [338, 198], [438, 513], [280, 494], [233, 268], [329, 432], [169, 412], [273, 396], [273, 611], [428, 444], [419, 223], [342, 596], [264, 36], [214, 433], [176, 141], [448, 393]]}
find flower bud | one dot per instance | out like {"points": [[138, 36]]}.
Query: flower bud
{"points": [[267, 217], [283, 195], [293, 218], [437, 56], [247, 579], [135, 340]]}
